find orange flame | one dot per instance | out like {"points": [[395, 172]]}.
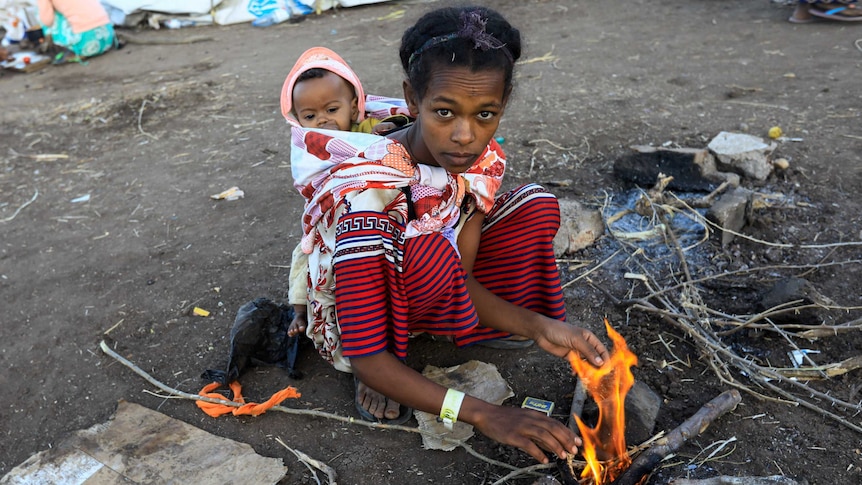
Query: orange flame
{"points": [[604, 447]]}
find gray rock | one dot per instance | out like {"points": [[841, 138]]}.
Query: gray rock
{"points": [[792, 289], [579, 227], [744, 154], [641, 408], [730, 213]]}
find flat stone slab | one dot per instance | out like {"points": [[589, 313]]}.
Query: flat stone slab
{"points": [[745, 154], [139, 445]]}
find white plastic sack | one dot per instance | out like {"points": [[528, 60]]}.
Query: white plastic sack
{"points": [[17, 17], [190, 7]]}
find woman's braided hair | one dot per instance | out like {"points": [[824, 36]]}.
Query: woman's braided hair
{"points": [[475, 37]]}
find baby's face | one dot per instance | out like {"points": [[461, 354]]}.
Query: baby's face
{"points": [[327, 102]]}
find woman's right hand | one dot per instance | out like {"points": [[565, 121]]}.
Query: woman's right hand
{"points": [[559, 338], [529, 430]]}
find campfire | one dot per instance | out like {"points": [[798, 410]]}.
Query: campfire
{"points": [[607, 459], [604, 447]]}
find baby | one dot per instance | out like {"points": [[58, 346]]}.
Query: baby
{"points": [[322, 91]]}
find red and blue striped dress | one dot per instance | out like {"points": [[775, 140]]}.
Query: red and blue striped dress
{"points": [[388, 286]]}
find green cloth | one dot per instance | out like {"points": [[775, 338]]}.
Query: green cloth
{"points": [[86, 44]]}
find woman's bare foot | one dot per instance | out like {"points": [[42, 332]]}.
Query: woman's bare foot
{"points": [[375, 403]]}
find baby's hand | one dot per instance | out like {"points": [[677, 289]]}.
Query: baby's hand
{"points": [[383, 127]]}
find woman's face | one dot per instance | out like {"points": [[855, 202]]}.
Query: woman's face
{"points": [[456, 118]]}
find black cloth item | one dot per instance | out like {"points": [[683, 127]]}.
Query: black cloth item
{"points": [[259, 338]]}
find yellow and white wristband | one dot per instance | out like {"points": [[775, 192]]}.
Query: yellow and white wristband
{"points": [[451, 407]]}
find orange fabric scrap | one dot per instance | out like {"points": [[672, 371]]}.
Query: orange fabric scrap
{"points": [[215, 410]]}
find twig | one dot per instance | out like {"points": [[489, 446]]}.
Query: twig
{"points": [[784, 245], [584, 275], [140, 115], [549, 142], [41, 157], [793, 344], [758, 105], [18, 210], [721, 444], [521, 471], [161, 396], [544, 58], [310, 462], [666, 346], [106, 332]]}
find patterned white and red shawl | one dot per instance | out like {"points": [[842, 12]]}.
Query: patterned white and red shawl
{"points": [[327, 165]]}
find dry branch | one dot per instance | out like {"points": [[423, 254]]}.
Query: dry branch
{"points": [[646, 462], [823, 371], [829, 331], [726, 480]]}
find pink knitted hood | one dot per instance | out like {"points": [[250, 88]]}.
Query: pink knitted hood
{"points": [[319, 57]]}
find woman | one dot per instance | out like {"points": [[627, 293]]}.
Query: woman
{"points": [[843, 10], [413, 232], [81, 26]]}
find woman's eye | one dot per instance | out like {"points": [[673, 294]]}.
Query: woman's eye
{"points": [[486, 115], [444, 113]]}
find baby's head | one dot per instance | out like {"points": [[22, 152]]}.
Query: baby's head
{"points": [[323, 99], [322, 91]]}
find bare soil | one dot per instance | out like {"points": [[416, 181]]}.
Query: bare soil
{"points": [[152, 130]]}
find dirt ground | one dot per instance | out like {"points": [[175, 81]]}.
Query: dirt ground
{"points": [[151, 131]]}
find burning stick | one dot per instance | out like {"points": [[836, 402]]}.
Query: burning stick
{"points": [[693, 426]]}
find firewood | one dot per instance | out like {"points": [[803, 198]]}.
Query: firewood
{"points": [[693, 426]]}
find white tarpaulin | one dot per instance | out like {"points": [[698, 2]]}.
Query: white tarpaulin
{"points": [[186, 7], [226, 12]]}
